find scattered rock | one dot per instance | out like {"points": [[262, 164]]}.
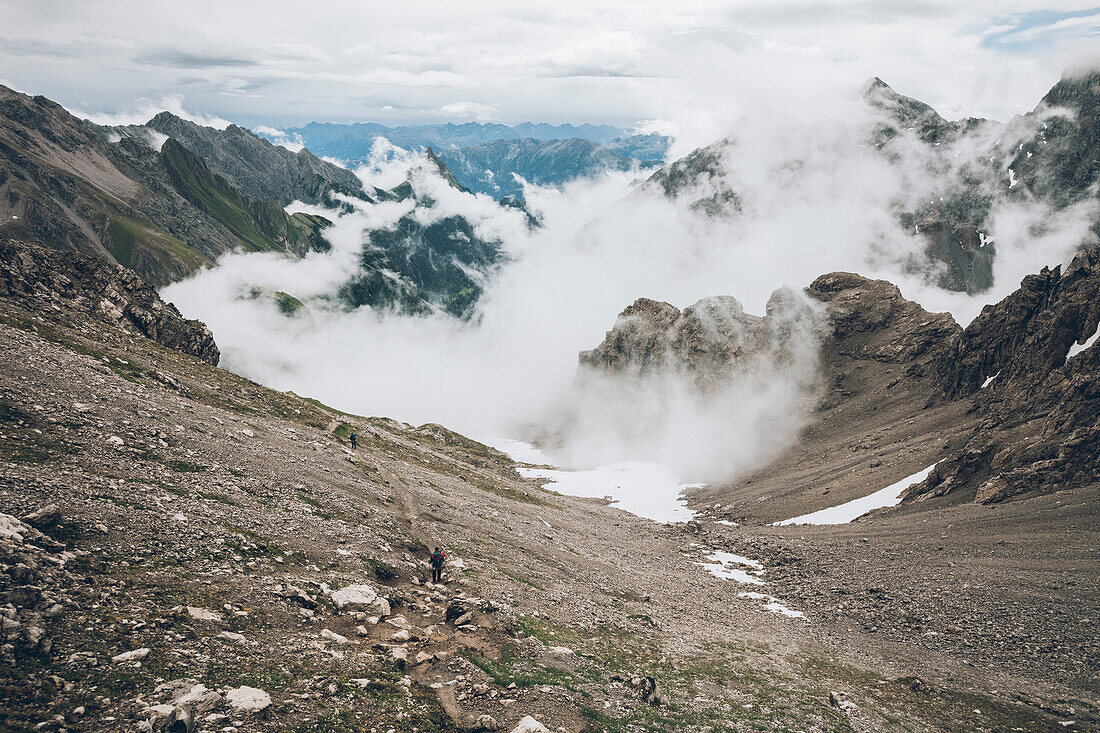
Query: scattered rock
{"points": [[841, 702], [248, 699], [530, 725], [485, 723], [360, 597], [131, 656], [333, 636], [44, 518], [203, 614]]}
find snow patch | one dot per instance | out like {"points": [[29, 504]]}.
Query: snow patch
{"points": [[988, 380], [772, 604], [1076, 348], [720, 567], [849, 511], [647, 490]]}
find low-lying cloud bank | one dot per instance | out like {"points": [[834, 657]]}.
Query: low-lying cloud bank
{"points": [[813, 197]]}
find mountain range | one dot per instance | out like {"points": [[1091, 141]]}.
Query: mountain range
{"points": [[170, 196], [486, 157], [1048, 156]]}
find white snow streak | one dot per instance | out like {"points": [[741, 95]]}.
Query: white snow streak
{"points": [[844, 513]]}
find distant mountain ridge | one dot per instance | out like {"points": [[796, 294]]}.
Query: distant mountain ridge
{"points": [[493, 168], [484, 156]]}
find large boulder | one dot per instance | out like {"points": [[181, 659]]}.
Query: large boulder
{"points": [[360, 597]]}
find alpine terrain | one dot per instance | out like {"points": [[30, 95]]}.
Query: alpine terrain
{"points": [[911, 544]]}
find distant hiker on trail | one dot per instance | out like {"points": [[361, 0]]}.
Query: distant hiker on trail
{"points": [[354, 440], [437, 565]]}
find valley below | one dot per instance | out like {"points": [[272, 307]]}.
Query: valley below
{"points": [[199, 552]]}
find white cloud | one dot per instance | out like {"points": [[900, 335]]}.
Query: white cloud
{"points": [[142, 110], [815, 199], [608, 54], [569, 61], [470, 111]]}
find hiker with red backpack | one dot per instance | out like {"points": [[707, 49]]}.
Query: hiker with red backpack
{"points": [[437, 565]]}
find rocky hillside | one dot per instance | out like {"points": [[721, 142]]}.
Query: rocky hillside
{"points": [[1030, 364], [166, 206], [1048, 156], [182, 549], [1007, 408], [43, 278], [156, 208]]}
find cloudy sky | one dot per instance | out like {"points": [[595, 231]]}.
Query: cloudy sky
{"points": [[691, 62]]}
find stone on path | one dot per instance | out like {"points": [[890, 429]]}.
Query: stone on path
{"points": [[530, 725]]}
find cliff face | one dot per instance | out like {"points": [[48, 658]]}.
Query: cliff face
{"points": [[101, 290], [709, 342], [1036, 390]]}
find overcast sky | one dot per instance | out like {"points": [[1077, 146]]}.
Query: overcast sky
{"points": [[693, 63]]}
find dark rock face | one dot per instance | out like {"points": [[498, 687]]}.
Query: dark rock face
{"points": [[963, 254], [871, 320], [1040, 409], [1062, 162], [102, 290]]}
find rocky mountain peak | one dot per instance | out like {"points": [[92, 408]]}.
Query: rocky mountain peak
{"points": [[259, 169], [873, 320], [1077, 91], [706, 342]]}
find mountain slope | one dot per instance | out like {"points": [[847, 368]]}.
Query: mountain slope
{"points": [[1048, 157], [257, 168], [180, 547], [1008, 408], [161, 211], [260, 226]]}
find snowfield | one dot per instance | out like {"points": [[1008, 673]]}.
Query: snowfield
{"points": [[851, 510]]}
